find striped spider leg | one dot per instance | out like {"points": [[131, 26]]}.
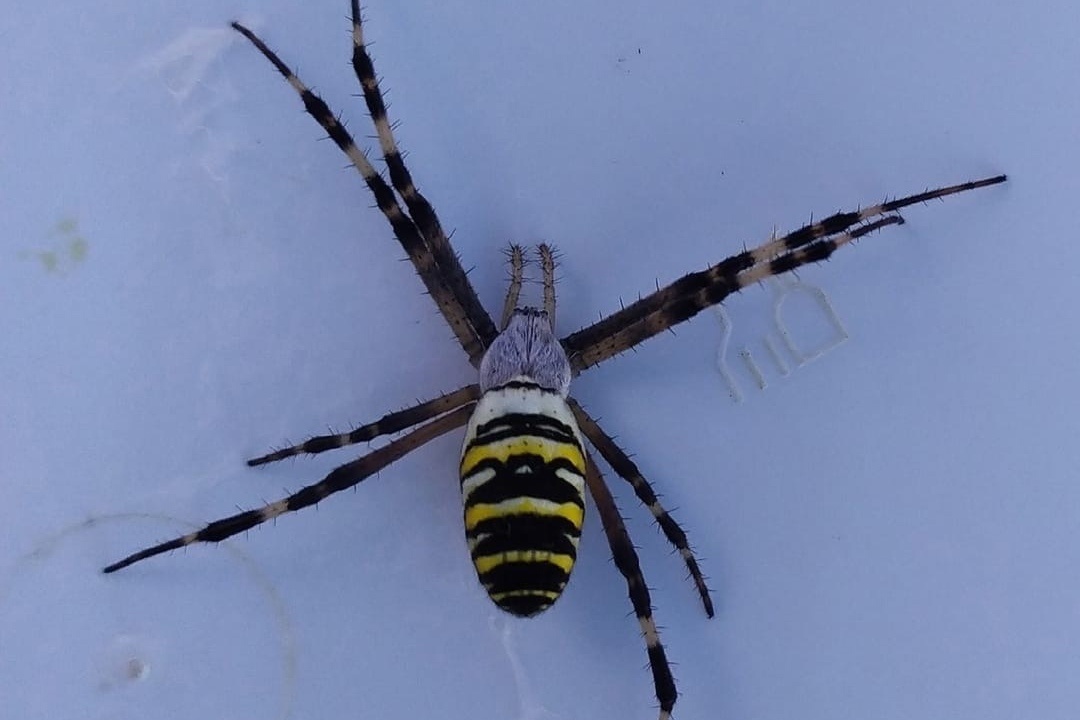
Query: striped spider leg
{"points": [[340, 478], [694, 292], [521, 425]]}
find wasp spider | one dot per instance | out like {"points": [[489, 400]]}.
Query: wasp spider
{"points": [[525, 465]]}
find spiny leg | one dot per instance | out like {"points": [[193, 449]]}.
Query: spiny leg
{"points": [[547, 267], [516, 261], [640, 327], [623, 466], [421, 210], [835, 224], [594, 344], [463, 324], [626, 560], [339, 479], [684, 308], [386, 425]]}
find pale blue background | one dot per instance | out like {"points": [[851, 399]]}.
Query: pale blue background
{"points": [[890, 531]]}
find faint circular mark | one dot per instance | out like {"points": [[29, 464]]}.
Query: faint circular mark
{"points": [[182, 641]]}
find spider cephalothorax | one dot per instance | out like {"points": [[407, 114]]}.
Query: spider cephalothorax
{"points": [[525, 465]]}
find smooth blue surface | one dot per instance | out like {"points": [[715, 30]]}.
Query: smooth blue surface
{"points": [[189, 276]]}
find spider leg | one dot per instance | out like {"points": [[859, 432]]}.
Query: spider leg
{"points": [[652, 314], [684, 308], [516, 261], [547, 266], [623, 466], [440, 285], [341, 478], [626, 560], [423, 214], [386, 425]]}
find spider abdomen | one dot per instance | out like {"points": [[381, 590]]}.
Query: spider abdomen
{"points": [[523, 481]]}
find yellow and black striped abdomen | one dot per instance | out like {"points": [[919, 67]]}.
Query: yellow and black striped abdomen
{"points": [[523, 481]]}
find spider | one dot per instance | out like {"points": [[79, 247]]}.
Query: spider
{"points": [[525, 466]]}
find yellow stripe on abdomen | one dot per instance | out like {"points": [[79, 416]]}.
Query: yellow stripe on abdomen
{"points": [[478, 513], [486, 563], [503, 450]]}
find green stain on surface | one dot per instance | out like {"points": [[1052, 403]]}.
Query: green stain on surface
{"points": [[77, 249], [49, 261], [66, 248]]}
